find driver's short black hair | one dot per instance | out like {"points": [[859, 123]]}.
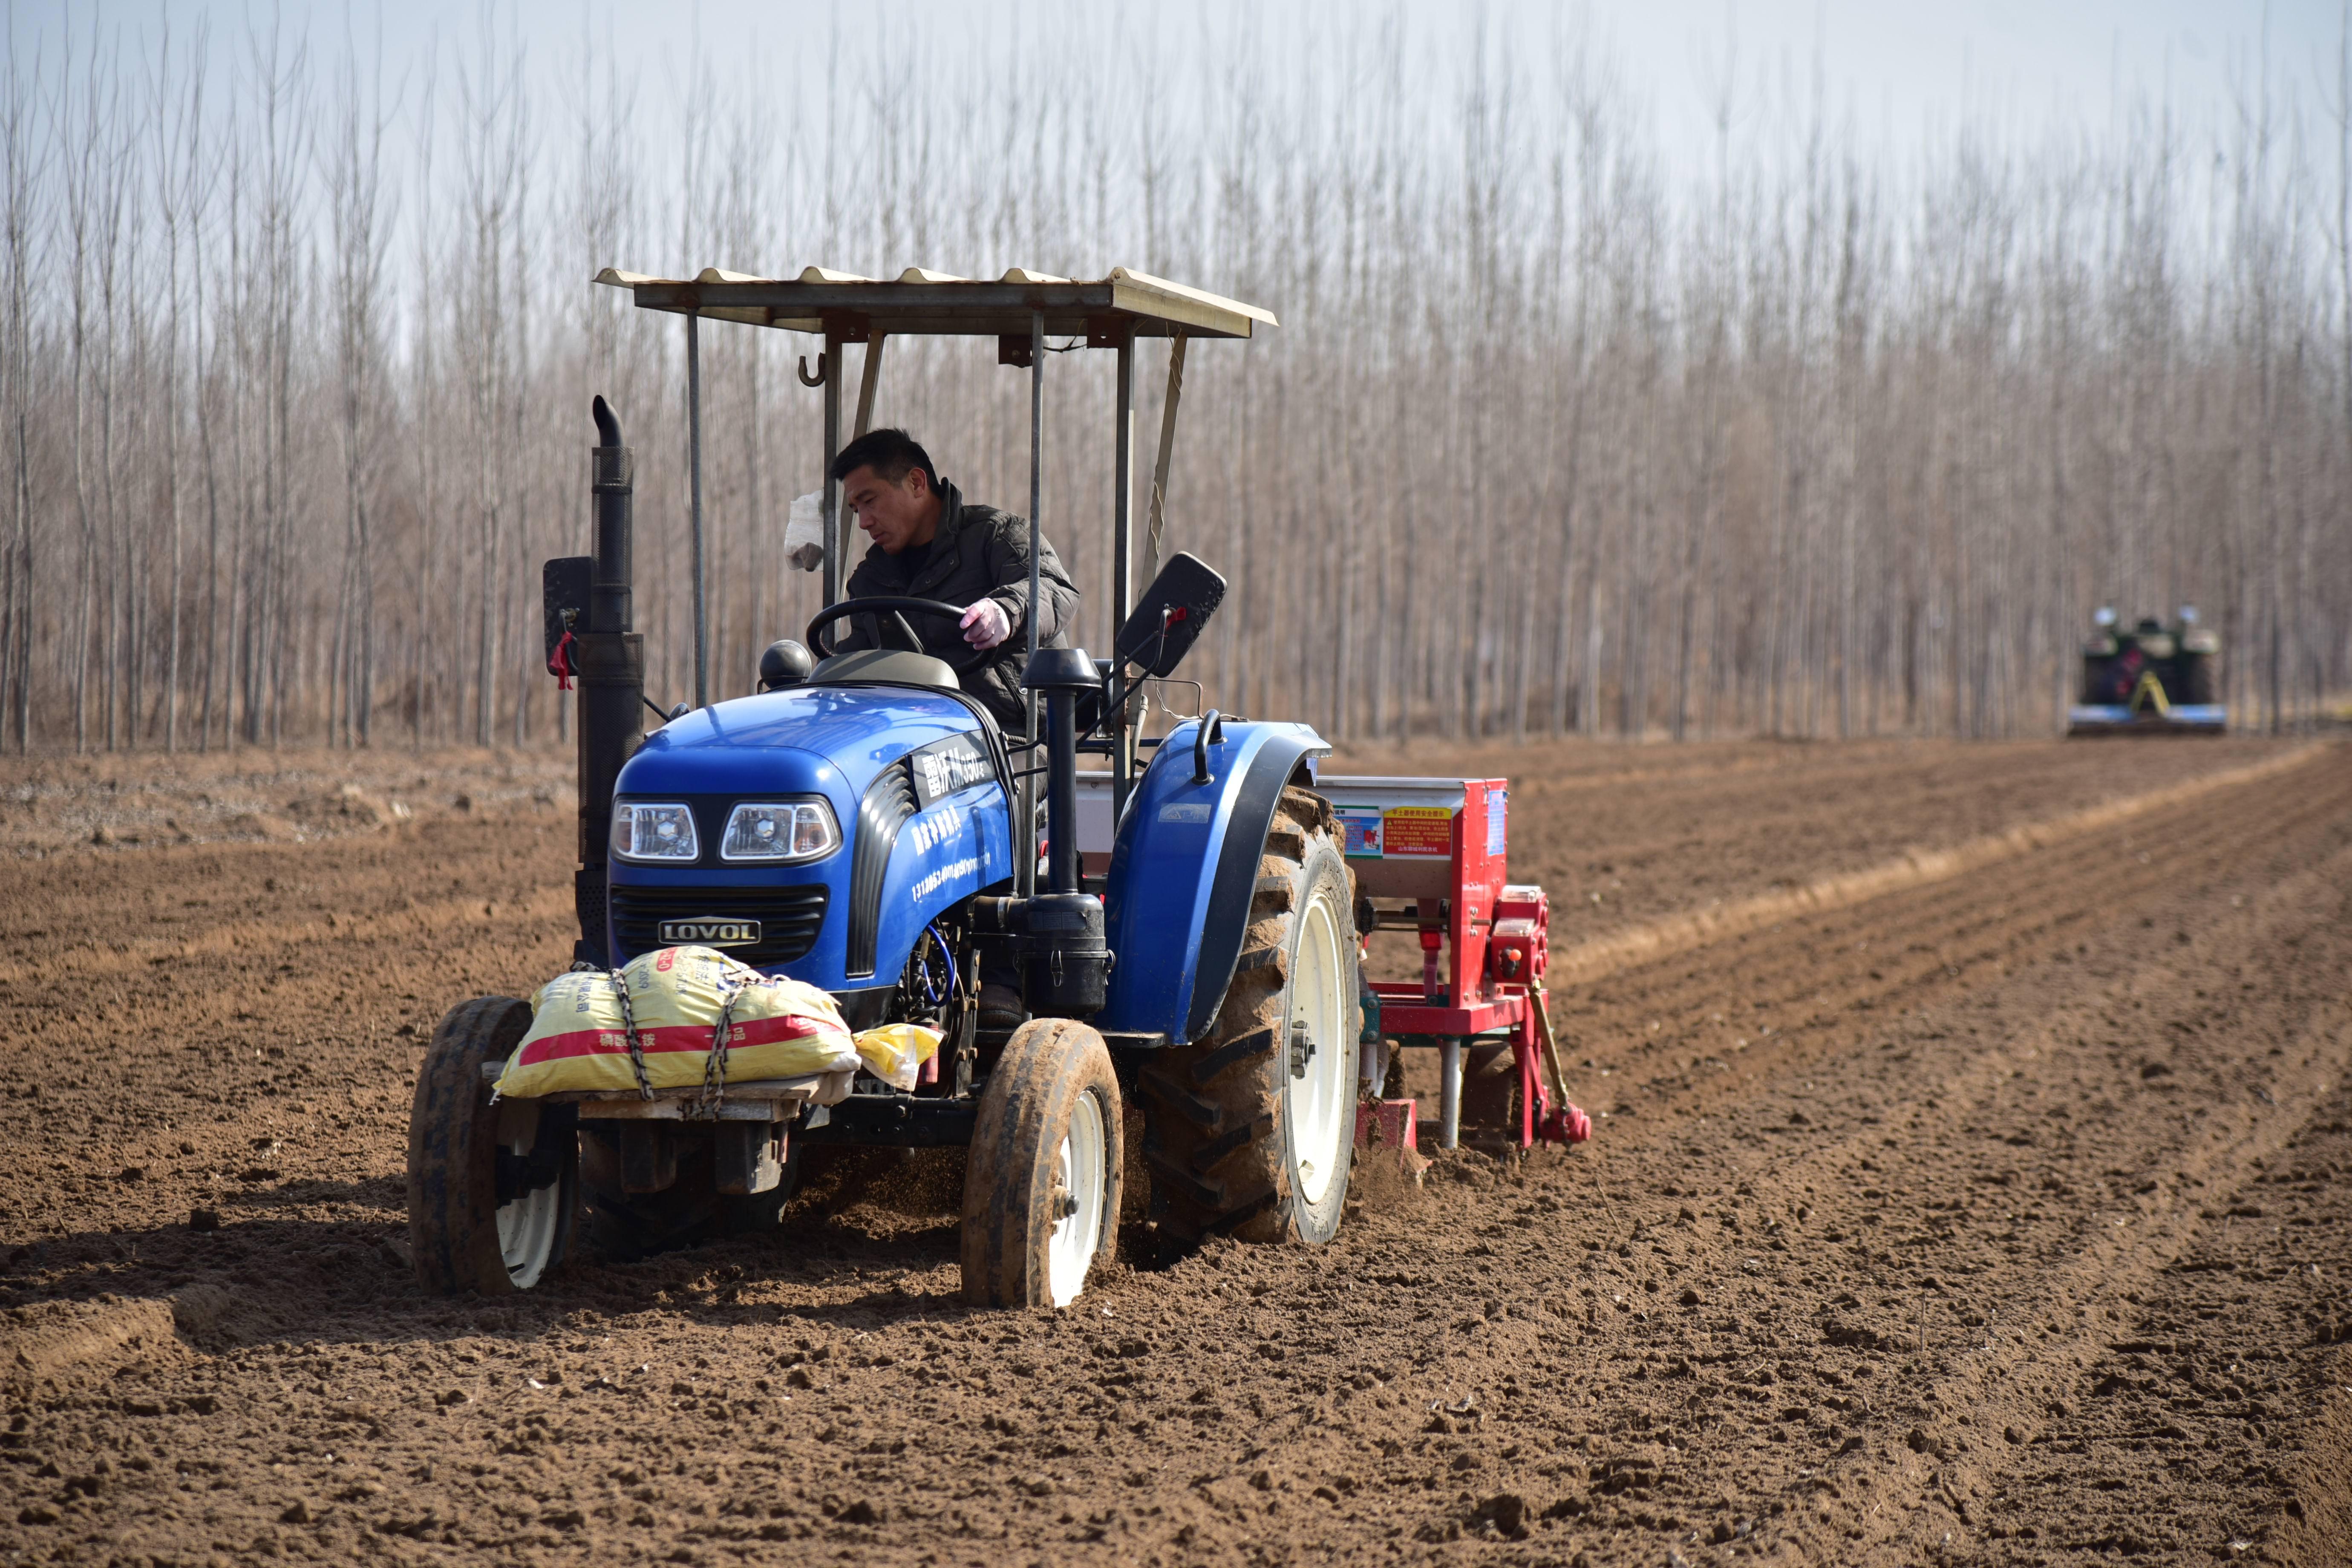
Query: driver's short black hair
{"points": [[890, 452]]}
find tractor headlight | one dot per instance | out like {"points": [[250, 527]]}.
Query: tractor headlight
{"points": [[780, 830], [656, 833]]}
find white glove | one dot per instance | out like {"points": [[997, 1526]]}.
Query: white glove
{"points": [[985, 624], [804, 531]]}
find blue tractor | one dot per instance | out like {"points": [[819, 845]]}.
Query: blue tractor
{"points": [[2150, 680], [863, 823]]}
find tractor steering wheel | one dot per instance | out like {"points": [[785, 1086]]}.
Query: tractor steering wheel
{"points": [[897, 607]]}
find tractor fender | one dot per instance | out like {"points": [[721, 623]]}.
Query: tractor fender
{"points": [[1183, 870]]}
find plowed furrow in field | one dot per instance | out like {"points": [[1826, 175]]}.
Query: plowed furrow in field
{"points": [[2010, 1177], [1731, 1013], [1583, 963], [1920, 1227], [2220, 1390]]}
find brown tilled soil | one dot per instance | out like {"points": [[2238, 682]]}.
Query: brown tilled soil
{"points": [[54, 806], [1964, 1195]]}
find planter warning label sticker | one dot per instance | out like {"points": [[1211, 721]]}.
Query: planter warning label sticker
{"points": [[1361, 824], [1417, 832]]}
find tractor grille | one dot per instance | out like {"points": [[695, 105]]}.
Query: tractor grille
{"points": [[789, 918]]}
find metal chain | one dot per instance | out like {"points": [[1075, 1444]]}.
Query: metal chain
{"points": [[629, 1033], [714, 1065]]}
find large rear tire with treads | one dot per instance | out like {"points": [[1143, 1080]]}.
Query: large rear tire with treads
{"points": [[2199, 687], [1249, 1131], [1041, 1188]]}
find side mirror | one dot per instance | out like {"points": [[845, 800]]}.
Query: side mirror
{"points": [[785, 663], [1168, 617]]}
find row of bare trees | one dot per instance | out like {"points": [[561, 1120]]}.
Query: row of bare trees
{"points": [[1801, 437]]}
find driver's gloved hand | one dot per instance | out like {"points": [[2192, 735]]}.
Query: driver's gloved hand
{"points": [[985, 624]]}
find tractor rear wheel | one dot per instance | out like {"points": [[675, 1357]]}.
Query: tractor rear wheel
{"points": [[492, 1189], [1041, 1181], [1251, 1131], [2196, 684]]}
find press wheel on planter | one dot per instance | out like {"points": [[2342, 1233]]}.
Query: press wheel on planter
{"points": [[1041, 1179], [492, 1189], [1250, 1130], [1490, 1096]]}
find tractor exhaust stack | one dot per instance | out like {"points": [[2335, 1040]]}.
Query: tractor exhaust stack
{"points": [[612, 669]]}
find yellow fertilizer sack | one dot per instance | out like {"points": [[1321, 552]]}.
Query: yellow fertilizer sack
{"points": [[580, 1029], [896, 1053]]}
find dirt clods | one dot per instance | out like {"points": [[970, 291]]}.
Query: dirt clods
{"points": [[2000, 1216]]}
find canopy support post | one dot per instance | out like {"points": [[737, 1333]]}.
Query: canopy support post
{"points": [[693, 486], [1123, 731], [1167, 452], [868, 379], [1026, 832], [832, 376], [1036, 475]]}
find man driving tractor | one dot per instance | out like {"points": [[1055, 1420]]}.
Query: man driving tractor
{"points": [[931, 543]]}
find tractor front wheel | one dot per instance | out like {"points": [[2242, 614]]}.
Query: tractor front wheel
{"points": [[1041, 1182], [492, 1189], [1251, 1131]]}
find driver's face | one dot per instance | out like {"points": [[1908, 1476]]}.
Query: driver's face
{"points": [[893, 515]]}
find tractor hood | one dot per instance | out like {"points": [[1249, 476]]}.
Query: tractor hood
{"points": [[828, 741], [917, 832]]}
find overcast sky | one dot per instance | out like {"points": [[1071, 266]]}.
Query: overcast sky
{"points": [[1903, 68]]}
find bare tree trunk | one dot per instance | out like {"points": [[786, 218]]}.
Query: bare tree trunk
{"points": [[16, 233], [1631, 443]]}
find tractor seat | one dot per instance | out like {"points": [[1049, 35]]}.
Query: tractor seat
{"points": [[890, 664]]}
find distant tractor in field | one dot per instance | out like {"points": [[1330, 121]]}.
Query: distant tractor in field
{"points": [[2149, 679]]}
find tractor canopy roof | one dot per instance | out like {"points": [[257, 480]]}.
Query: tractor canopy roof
{"points": [[923, 302]]}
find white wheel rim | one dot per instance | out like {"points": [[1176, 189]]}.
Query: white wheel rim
{"points": [[1316, 1105], [527, 1231], [1078, 1173]]}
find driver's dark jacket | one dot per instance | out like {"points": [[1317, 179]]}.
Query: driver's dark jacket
{"points": [[978, 552]]}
